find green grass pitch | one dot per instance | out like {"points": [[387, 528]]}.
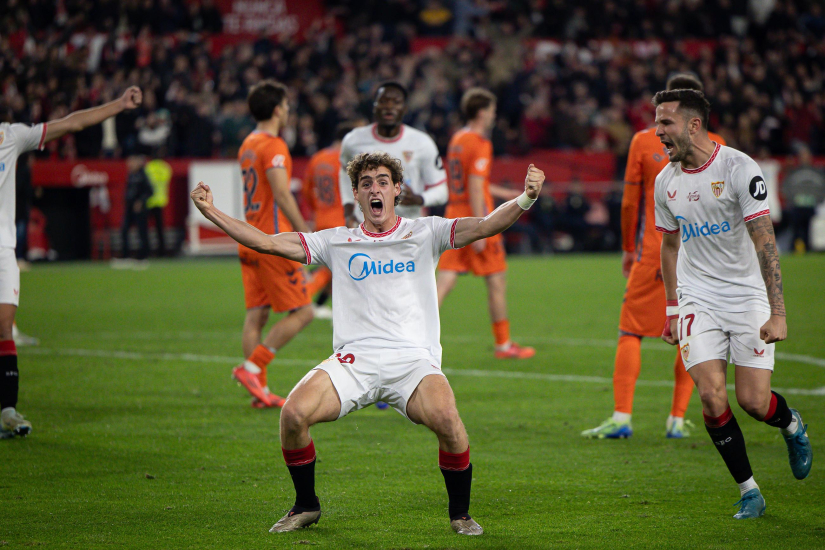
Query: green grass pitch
{"points": [[141, 440]]}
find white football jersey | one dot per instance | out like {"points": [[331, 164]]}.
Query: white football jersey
{"points": [[385, 296], [15, 139], [423, 167], [717, 265]]}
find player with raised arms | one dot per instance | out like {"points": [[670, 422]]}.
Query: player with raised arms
{"points": [[386, 331], [425, 182], [643, 306], [709, 199], [16, 139]]}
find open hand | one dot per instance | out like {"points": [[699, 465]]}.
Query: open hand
{"points": [[202, 197], [131, 98], [775, 330], [533, 182]]}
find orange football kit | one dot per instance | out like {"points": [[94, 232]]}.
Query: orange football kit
{"points": [[320, 190], [269, 281], [643, 308]]}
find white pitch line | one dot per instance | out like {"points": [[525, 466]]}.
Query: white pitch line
{"points": [[191, 357]]}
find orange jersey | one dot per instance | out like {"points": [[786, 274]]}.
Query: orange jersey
{"points": [[259, 153], [321, 188], [646, 158], [469, 154]]}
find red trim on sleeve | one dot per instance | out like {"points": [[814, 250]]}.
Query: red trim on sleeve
{"points": [[452, 233], [428, 187], [43, 137], [7, 347], [668, 231], [757, 215], [306, 248]]}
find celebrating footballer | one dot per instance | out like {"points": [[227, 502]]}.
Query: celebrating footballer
{"points": [[386, 331]]}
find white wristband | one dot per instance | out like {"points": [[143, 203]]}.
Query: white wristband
{"points": [[524, 201], [672, 311]]}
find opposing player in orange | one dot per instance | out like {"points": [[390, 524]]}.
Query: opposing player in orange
{"points": [[469, 156], [643, 308], [270, 282], [320, 191]]}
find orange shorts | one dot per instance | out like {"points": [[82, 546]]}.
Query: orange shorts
{"points": [[490, 260], [272, 281], [643, 308]]}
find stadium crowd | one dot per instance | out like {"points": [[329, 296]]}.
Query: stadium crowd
{"points": [[568, 75]]}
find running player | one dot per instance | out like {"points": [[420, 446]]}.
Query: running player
{"points": [[425, 183], [469, 157], [718, 305], [16, 139], [642, 312], [321, 192], [269, 283], [386, 328]]}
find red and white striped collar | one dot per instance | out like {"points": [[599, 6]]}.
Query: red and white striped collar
{"points": [[704, 166], [382, 138], [385, 233]]}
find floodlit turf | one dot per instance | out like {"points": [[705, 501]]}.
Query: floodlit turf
{"points": [[141, 440]]}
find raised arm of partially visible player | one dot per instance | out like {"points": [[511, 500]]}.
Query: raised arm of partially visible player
{"points": [[308, 192], [79, 120], [760, 230], [286, 245], [279, 183], [468, 230], [631, 200]]}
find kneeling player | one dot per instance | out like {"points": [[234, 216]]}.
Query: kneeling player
{"points": [[706, 199], [386, 325]]}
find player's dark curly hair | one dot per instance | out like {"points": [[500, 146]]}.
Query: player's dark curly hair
{"points": [[264, 97], [692, 101], [371, 161]]}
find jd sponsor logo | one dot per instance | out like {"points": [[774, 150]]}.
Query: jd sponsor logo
{"points": [[362, 266], [691, 230]]}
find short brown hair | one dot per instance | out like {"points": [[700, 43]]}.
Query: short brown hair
{"points": [[474, 100], [371, 161], [684, 81], [264, 97], [689, 100]]}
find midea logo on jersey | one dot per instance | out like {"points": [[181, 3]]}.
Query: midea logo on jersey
{"points": [[362, 266], [705, 230]]}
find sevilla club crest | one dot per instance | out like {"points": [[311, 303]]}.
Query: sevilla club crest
{"points": [[408, 156], [685, 352], [717, 187]]}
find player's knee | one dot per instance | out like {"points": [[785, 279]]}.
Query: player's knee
{"points": [[713, 397], [446, 422], [754, 404], [293, 418]]}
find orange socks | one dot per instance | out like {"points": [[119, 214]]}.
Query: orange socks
{"points": [[501, 332], [626, 372], [683, 388], [320, 279], [261, 356]]}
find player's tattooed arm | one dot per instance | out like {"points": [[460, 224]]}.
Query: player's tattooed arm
{"points": [[286, 245], [761, 232]]}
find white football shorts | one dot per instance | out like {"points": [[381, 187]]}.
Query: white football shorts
{"points": [[363, 378], [706, 334], [9, 277]]}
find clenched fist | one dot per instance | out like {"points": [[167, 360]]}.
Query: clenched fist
{"points": [[131, 98], [202, 197], [533, 182]]}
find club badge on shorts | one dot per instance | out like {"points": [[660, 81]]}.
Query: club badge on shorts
{"points": [[685, 352], [717, 187]]}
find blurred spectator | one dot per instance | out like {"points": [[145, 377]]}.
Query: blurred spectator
{"points": [[138, 190], [804, 190], [159, 174], [573, 215]]}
